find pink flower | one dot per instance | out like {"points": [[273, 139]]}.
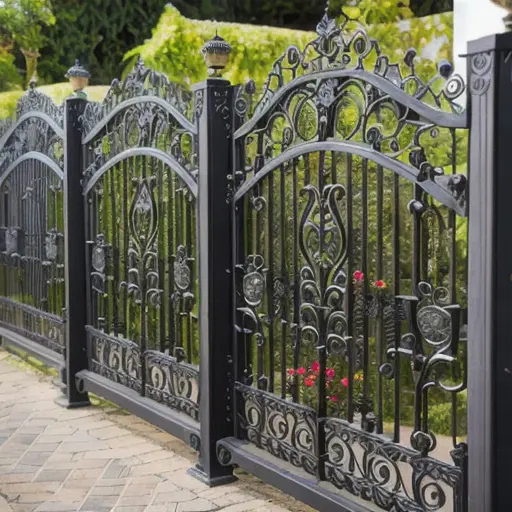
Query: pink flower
{"points": [[290, 372], [358, 275], [334, 398], [330, 373], [315, 366], [301, 371], [344, 381], [380, 284], [309, 383]]}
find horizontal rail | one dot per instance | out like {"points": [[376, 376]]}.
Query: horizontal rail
{"points": [[167, 159], [173, 422], [432, 187], [33, 155], [45, 355], [287, 478]]}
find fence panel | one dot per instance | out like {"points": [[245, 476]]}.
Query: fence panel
{"points": [[351, 277], [32, 288], [140, 191]]}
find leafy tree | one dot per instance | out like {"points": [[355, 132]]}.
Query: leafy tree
{"points": [[22, 22]]}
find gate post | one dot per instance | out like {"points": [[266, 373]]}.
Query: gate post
{"points": [[214, 115], [75, 248], [490, 274]]}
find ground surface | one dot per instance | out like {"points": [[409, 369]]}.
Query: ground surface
{"points": [[101, 459]]}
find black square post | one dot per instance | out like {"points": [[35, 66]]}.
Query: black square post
{"points": [[490, 274], [214, 114], [75, 250]]}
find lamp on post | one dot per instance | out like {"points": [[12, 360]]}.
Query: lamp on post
{"points": [[78, 77], [216, 54]]}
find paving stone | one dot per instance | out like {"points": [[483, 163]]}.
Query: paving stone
{"points": [[53, 475], [174, 497], [245, 507], [131, 501], [109, 432], [197, 505], [59, 460], [130, 509]]}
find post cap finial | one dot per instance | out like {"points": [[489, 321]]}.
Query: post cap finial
{"points": [[77, 71], [216, 53]]}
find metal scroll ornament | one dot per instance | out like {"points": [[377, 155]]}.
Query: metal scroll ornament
{"points": [[143, 277]]}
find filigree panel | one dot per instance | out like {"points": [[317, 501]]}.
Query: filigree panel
{"points": [[344, 44], [43, 328], [141, 81], [144, 124], [172, 383], [434, 349], [286, 430], [390, 475], [116, 359], [32, 134], [342, 88], [36, 101]]}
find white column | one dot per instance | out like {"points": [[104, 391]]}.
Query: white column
{"points": [[473, 19]]}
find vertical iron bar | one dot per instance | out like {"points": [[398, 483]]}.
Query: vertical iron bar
{"points": [[269, 242], [350, 290], [364, 268], [296, 280], [396, 293], [379, 334]]}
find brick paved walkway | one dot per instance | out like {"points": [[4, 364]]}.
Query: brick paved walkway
{"points": [[101, 459]]}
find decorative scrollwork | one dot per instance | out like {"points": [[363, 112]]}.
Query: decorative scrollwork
{"points": [[432, 346], [346, 45], [33, 134], [481, 72], [36, 101], [143, 277], [391, 476], [286, 430], [116, 359], [341, 87], [141, 81], [172, 383]]}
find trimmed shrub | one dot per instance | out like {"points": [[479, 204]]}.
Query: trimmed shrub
{"points": [[175, 45]]}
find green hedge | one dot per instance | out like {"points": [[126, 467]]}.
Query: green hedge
{"points": [[175, 45], [58, 92]]}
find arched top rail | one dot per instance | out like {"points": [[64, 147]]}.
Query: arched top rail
{"points": [[344, 51], [32, 155], [95, 117], [148, 152], [33, 114], [438, 117], [139, 86], [438, 187]]}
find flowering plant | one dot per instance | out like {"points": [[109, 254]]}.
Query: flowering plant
{"points": [[336, 387]]}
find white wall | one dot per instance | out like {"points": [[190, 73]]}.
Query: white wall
{"points": [[474, 19]]}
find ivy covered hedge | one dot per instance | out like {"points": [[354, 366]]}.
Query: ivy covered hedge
{"points": [[175, 45]]}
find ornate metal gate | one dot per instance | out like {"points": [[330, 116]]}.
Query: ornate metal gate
{"points": [[139, 190], [32, 301], [350, 288]]}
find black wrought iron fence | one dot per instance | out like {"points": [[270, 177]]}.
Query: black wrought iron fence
{"points": [[280, 279], [32, 224]]}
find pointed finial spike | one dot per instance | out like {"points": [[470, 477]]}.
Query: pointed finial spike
{"points": [[33, 82]]}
